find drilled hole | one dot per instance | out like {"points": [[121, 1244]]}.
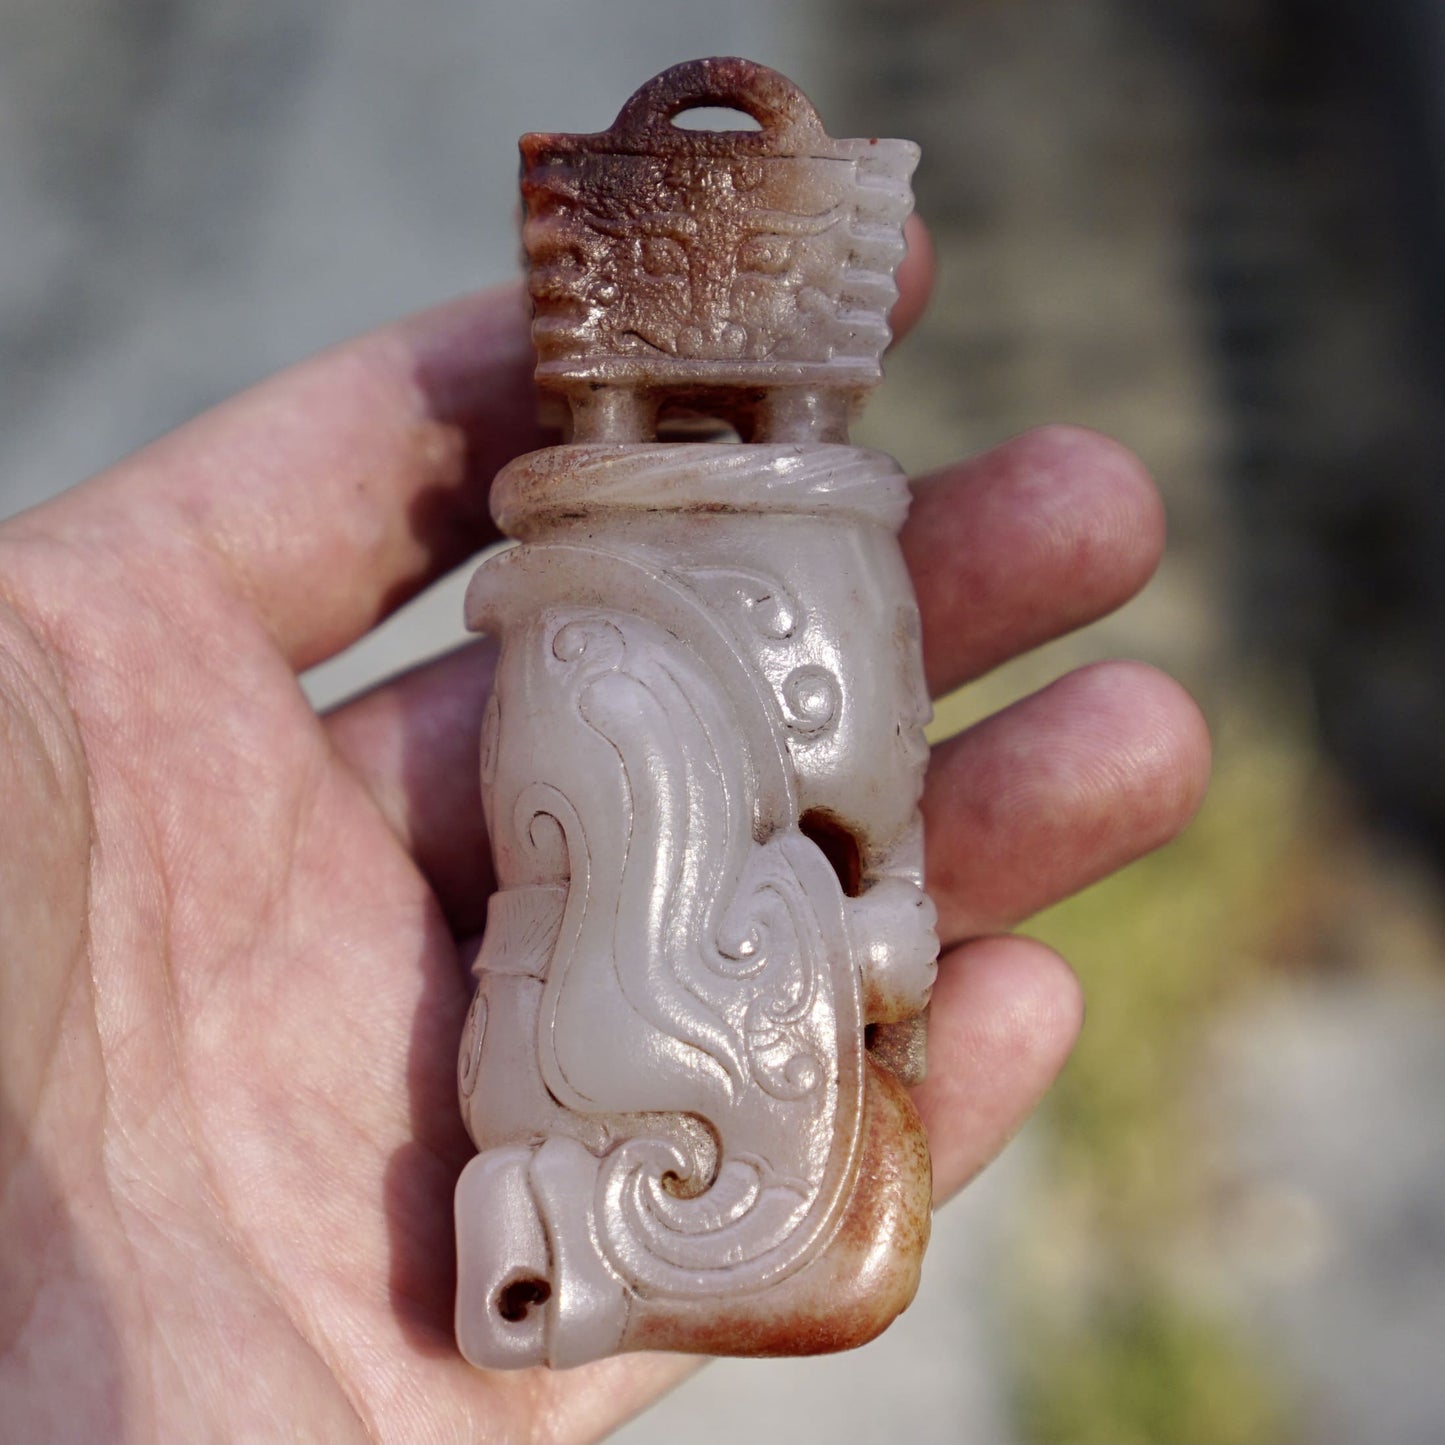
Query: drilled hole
{"points": [[514, 1300], [838, 844], [715, 117]]}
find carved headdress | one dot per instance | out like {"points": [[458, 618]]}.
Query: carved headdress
{"points": [[667, 260]]}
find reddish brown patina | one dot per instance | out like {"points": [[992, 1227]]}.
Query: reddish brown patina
{"points": [[743, 272]]}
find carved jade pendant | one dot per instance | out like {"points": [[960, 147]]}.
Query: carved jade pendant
{"points": [[702, 984]]}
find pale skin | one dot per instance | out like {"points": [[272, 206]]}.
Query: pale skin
{"points": [[230, 994]]}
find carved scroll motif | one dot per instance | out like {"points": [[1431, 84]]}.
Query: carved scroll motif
{"points": [[700, 767]]}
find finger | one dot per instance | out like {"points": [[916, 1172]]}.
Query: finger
{"points": [[416, 745], [327, 495], [1026, 542], [915, 278], [1052, 794], [1005, 1014]]}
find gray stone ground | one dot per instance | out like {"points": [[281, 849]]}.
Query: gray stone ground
{"points": [[193, 195]]}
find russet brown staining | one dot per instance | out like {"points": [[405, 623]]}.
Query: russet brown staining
{"points": [[747, 274], [859, 1283], [901, 1047]]}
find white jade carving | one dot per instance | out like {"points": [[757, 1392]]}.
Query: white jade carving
{"points": [[701, 987]]}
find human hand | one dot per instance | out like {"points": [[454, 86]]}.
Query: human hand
{"points": [[230, 994]]}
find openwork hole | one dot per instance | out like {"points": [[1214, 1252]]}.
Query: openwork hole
{"points": [[838, 844], [515, 1300], [677, 422], [715, 117]]}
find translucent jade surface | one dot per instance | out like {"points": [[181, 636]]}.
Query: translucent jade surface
{"points": [[702, 984]]}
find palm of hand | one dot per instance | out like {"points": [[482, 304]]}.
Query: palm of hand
{"points": [[231, 994], [258, 1042]]}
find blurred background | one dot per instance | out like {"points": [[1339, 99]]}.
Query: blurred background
{"points": [[1210, 227]]}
